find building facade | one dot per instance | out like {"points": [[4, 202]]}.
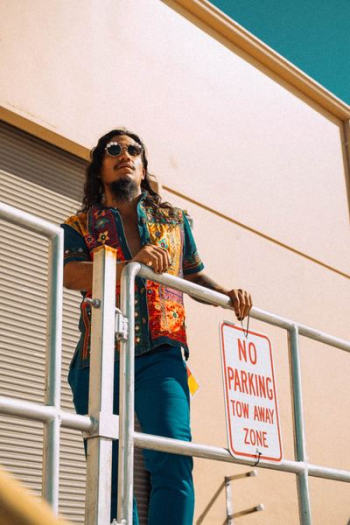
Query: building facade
{"points": [[254, 150]]}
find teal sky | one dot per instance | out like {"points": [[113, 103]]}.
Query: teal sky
{"points": [[312, 34]]}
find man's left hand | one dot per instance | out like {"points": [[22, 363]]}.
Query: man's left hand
{"points": [[241, 302], [240, 299]]}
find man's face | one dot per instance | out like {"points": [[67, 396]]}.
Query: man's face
{"points": [[125, 166]]}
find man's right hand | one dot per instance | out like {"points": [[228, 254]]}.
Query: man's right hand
{"points": [[153, 256]]}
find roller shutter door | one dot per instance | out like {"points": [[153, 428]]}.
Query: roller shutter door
{"points": [[45, 181]]}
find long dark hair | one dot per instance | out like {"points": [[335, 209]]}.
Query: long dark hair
{"points": [[93, 187]]}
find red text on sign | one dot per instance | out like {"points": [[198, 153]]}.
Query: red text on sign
{"points": [[242, 352], [249, 383], [264, 414], [240, 409], [255, 437]]}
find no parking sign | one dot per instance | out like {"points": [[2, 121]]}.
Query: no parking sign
{"points": [[252, 421]]}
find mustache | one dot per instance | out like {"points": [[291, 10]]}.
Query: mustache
{"points": [[119, 164]]}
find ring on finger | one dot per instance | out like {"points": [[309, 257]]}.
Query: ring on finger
{"points": [[149, 263]]}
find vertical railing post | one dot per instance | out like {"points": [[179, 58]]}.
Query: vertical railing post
{"points": [[299, 429], [127, 402], [99, 455], [51, 445]]}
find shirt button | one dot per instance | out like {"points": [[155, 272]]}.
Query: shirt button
{"points": [[137, 328], [136, 301], [144, 320], [149, 291], [136, 314], [137, 339]]}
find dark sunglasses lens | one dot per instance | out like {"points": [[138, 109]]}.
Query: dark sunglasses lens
{"points": [[114, 150], [134, 150]]}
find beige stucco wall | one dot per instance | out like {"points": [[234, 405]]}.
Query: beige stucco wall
{"points": [[232, 139]]}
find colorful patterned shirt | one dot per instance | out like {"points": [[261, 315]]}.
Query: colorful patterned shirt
{"points": [[159, 310]]}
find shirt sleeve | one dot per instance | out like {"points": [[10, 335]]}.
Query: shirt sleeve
{"points": [[192, 263], [75, 248]]}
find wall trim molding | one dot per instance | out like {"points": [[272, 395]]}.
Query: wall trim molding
{"points": [[257, 232], [210, 15], [37, 130]]}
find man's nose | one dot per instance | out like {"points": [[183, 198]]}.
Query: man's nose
{"points": [[124, 153]]}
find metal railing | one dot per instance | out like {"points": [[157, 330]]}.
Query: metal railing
{"points": [[50, 413], [101, 426], [129, 438]]}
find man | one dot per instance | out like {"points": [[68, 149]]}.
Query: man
{"points": [[120, 209]]}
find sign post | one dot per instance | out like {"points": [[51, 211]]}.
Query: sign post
{"points": [[252, 420]]}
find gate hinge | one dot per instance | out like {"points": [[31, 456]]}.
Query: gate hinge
{"points": [[121, 326]]}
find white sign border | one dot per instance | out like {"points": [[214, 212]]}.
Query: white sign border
{"points": [[235, 454]]}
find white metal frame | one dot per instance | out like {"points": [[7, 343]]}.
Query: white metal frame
{"points": [[101, 426], [129, 438], [51, 413]]}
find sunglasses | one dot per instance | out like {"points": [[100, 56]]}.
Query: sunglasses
{"points": [[114, 149]]}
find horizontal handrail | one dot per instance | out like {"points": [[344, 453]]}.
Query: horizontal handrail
{"points": [[199, 450], [31, 222], [45, 413], [28, 410], [219, 299]]}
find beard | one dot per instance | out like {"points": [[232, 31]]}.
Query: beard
{"points": [[124, 189]]}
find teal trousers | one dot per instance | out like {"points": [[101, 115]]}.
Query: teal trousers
{"points": [[163, 408]]}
